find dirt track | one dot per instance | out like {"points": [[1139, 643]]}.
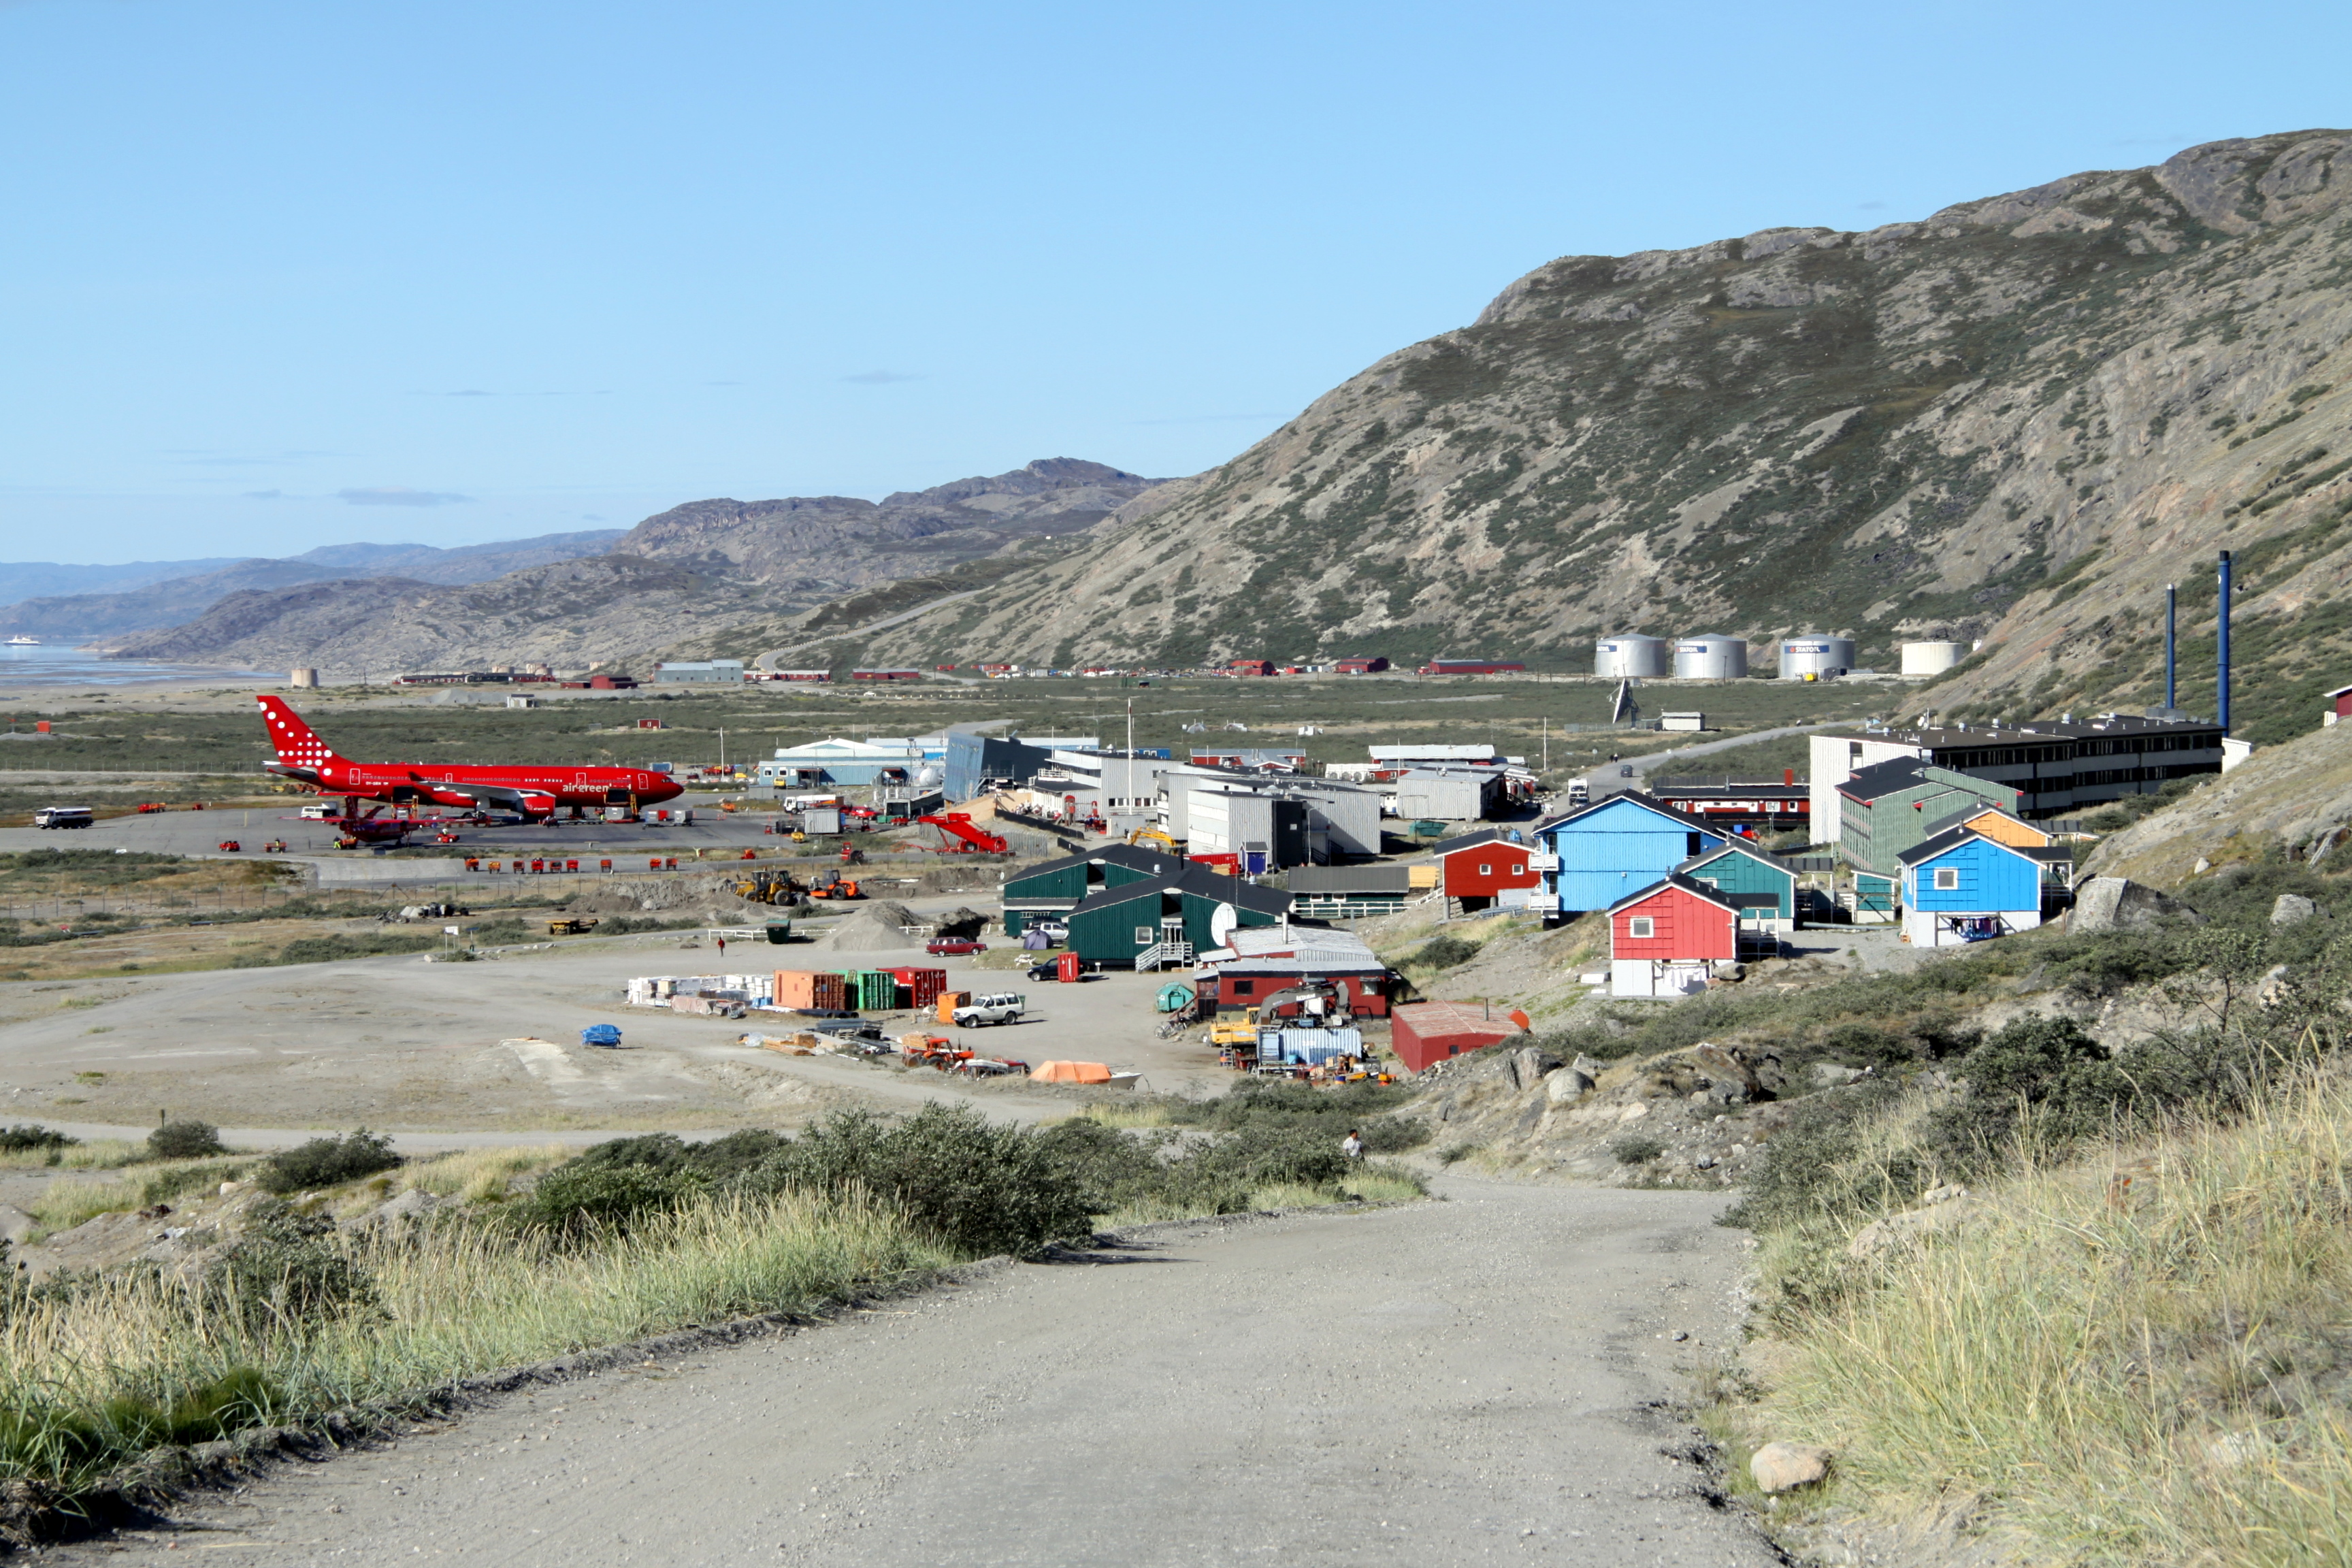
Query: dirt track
{"points": [[1437, 1383]]}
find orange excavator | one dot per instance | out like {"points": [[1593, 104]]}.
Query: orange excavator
{"points": [[959, 836]]}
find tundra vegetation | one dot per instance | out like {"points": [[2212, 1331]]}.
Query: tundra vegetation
{"points": [[293, 1319], [2086, 1302]]}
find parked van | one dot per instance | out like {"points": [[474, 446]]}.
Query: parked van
{"points": [[322, 812], [64, 816]]}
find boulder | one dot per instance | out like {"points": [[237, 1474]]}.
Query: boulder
{"points": [[1728, 1078], [2292, 907], [1831, 1075], [1528, 1065], [1785, 1467], [1589, 1067], [2118, 903], [1567, 1086]]}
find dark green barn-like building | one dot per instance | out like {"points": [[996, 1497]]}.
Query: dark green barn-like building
{"points": [[1057, 887], [1736, 868], [1177, 917]]}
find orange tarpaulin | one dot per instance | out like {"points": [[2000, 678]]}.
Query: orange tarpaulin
{"points": [[1070, 1072]]}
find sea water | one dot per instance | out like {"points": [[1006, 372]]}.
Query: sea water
{"points": [[53, 664]]}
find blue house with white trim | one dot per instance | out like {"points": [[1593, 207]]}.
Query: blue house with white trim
{"points": [[1961, 887], [1597, 854]]}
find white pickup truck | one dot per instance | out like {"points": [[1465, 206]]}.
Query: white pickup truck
{"points": [[1003, 1008]]}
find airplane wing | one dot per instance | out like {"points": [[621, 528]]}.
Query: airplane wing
{"points": [[530, 802]]}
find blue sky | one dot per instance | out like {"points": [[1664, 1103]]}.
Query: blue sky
{"points": [[283, 275]]}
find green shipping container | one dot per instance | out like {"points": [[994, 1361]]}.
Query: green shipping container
{"points": [[876, 990]]}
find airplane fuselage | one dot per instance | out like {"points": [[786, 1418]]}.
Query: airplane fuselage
{"points": [[421, 784]]}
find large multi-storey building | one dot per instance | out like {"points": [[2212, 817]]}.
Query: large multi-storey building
{"points": [[2055, 767]]}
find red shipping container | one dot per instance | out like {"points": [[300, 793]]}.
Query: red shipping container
{"points": [[923, 986], [1069, 968]]}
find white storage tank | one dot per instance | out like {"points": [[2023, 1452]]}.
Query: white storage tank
{"points": [[1629, 658], [1815, 656], [1711, 656], [1932, 658]]}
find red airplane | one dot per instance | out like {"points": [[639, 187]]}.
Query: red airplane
{"points": [[538, 793]]}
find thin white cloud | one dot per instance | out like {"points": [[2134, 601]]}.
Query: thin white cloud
{"points": [[398, 495]]}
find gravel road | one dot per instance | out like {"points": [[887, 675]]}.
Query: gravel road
{"points": [[1473, 1379]]}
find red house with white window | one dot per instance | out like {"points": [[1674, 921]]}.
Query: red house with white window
{"points": [[1484, 868], [1664, 938]]}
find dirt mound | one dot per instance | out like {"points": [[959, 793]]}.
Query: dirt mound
{"points": [[883, 926]]}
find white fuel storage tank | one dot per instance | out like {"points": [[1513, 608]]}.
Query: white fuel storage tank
{"points": [[1932, 658], [1815, 656], [1629, 658], [1710, 656]]}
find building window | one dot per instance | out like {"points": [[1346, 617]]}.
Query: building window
{"points": [[1146, 935], [1244, 987], [1641, 927], [1486, 870], [1947, 879]]}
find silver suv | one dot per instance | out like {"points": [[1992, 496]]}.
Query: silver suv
{"points": [[1004, 1007]]}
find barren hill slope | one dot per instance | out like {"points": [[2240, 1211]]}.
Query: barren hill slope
{"points": [[2015, 419]]}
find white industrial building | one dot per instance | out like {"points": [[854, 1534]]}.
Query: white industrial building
{"points": [[1450, 794], [1932, 658], [1341, 819]]}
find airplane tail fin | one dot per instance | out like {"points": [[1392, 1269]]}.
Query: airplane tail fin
{"points": [[295, 740]]}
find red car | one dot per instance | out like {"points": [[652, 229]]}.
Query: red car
{"points": [[954, 946]]}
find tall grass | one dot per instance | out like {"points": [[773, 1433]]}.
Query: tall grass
{"points": [[92, 1375], [2137, 1356]]}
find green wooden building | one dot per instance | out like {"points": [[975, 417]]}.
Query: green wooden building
{"points": [[1887, 808], [1738, 868], [1058, 887], [1169, 919]]}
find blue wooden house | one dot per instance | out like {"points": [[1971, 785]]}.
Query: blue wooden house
{"points": [[1962, 887], [1597, 854], [1735, 866]]}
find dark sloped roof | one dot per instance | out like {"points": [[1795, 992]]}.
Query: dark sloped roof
{"points": [[1385, 877], [1714, 896], [1648, 801], [1733, 845], [1156, 862], [1927, 850], [1197, 880], [1467, 841], [1883, 778]]}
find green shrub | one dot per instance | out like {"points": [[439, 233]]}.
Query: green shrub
{"points": [[185, 1140], [578, 1201], [327, 1163], [25, 1136], [715, 1161], [283, 1275], [1638, 1150], [979, 1187], [1444, 951]]}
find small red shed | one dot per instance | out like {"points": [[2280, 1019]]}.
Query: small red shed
{"points": [[1427, 1032], [2339, 705], [1480, 868], [1663, 938]]}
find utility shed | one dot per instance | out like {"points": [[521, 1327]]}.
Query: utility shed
{"points": [[1736, 868], [1450, 794], [1961, 887], [1664, 938], [1426, 1033], [1597, 854], [1485, 868], [1350, 892]]}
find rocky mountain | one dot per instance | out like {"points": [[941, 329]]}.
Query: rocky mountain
{"points": [[811, 548], [700, 578], [169, 600], [22, 579], [571, 613], [2013, 420]]}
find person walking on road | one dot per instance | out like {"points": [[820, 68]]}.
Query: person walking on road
{"points": [[722, 949], [1353, 1145]]}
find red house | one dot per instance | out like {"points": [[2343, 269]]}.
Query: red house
{"points": [[1262, 962], [2339, 705], [1480, 868], [1251, 666], [1472, 667], [1424, 1033], [1360, 666], [886, 674], [1663, 938]]}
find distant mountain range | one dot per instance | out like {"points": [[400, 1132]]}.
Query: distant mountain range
{"points": [[677, 581], [164, 594]]}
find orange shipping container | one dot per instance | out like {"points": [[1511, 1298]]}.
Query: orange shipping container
{"points": [[809, 988], [949, 1001]]}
